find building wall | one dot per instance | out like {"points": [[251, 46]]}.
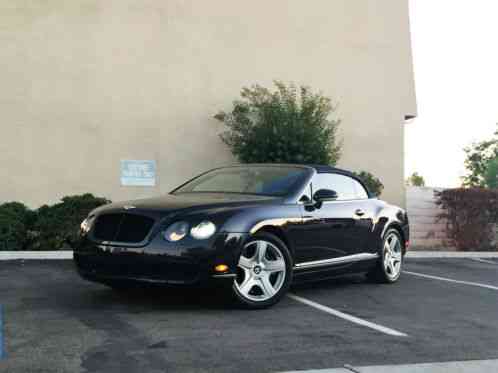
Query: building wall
{"points": [[426, 230], [86, 83]]}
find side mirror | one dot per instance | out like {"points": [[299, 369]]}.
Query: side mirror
{"points": [[323, 195]]}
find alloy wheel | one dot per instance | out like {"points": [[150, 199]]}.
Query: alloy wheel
{"points": [[261, 271], [392, 255]]}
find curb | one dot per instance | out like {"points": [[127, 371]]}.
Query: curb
{"points": [[451, 254], [68, 254], [469, 366], [21, 255]]}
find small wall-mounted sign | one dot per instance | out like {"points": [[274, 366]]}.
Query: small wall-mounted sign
{"points": [[138, 173]]}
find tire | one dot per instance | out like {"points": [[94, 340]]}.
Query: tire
{"points": [[389, 266], [264, 272]]}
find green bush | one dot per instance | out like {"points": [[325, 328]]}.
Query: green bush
{"points": [[373, 183], [288, 125], [51, 227], [57, 225], [15, 222]]}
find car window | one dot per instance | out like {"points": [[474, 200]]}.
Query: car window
{"points": [[361, 193], [343, 185], [262, 180]]}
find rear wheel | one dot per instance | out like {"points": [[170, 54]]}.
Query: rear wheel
{"points": [[388, 268], [264, 272]]}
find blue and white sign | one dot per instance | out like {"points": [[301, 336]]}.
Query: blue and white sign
{"points": [[138, 173]]}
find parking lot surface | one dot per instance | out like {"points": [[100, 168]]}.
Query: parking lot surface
{"points": [[443, 310]]}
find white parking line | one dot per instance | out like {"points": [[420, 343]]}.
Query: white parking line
{"points": [[347, 317], [483, 261], [486, 286], [469, 366]]}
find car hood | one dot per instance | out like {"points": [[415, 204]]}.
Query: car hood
{"points": [[172, 203]]}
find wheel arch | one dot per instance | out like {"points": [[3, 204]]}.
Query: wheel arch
{"points": [[278, 232], [399, 229]]}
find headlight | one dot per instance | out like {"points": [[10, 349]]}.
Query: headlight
{"points": [[176, 231], [86, 225], [203, 230]]}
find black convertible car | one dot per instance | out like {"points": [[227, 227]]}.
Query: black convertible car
{"points": [[256, 228]]}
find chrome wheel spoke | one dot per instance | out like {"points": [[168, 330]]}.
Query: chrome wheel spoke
{"points": [[274, 265], [245, 263], [262, 271], [388, 267], [393, 244], [392, 256], [266, 286], [247, 273], [392, 267], [247, 285], [386, 261], [261, 247]]}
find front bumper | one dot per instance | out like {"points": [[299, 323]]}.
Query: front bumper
{"points": [[187, 262]]}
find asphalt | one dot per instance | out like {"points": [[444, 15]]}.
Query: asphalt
{"points": [[56, 322]]}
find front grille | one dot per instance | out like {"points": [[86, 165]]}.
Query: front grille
{"points": [[106, 227], [137, 266], [127, 228]]}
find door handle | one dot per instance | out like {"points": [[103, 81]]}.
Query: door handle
{"points": [[359, 212]]}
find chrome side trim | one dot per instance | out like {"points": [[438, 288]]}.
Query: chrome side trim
{"points": [[274, 222], [340, 260], [227, 275]]}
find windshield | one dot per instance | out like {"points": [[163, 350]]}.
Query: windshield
{"points": [[260, 180]]}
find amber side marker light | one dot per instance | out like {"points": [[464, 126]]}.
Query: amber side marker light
{"points": [[221, 268]]}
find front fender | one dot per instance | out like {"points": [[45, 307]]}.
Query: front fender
{"points": [[392, 217], [253, 219]]}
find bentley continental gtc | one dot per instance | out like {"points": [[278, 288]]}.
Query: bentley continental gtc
{"points": [[252, 229]]}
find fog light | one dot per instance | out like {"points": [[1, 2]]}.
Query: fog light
{"points": [[221, 268]]}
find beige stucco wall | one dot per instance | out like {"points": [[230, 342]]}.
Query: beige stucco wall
{"points": [[427, 231], [84, 84]]}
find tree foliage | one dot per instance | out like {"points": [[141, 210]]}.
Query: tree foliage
{"points": [[286, 125], [415, 180], [15, 222], [481, 163], [491, 175], [372, 182]]}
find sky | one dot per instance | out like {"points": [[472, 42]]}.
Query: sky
{"points": [[455, 56]]}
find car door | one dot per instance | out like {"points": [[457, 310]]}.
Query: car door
{"points": [[332, 229], [365, 210]]}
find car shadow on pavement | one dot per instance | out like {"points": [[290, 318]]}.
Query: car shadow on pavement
{"points": [[151, 299], [333, 283], [175, 299], [143, 299]]}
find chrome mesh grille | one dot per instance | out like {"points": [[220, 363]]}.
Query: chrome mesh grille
{"points": [[126, 228]]}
